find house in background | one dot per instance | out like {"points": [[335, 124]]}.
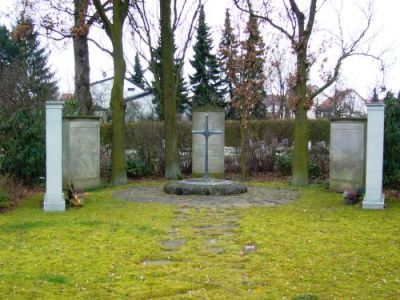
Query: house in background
{"points": [[139, 101], [342, 104]]}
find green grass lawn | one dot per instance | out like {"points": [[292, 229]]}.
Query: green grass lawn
{"points": [[315, 246]]}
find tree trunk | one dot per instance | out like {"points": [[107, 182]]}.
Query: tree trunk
{"points": [[244, 147], [118, 171], [300, 152], [81, 56], [172, 169], [82, 79]]}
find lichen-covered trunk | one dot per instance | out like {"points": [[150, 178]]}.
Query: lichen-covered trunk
{"points": [[300, 152], [118, 170], [172, 169], [81, 56]]}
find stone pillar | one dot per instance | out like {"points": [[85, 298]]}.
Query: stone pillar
{"points": [[374, 198], [54, 197]]}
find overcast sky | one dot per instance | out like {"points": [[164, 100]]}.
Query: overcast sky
{"points": [[359, 73]]}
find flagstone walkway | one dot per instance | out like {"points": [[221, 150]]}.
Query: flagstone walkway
{"points": [[204, 234]]}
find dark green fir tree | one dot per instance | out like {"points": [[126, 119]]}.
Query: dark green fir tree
{"points": [[26, 83], [206, 81], [137, 76], [40, 85]]}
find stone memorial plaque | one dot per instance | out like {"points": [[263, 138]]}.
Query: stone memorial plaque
{"points": [[81, 151], [347, 155], [216, 142]]}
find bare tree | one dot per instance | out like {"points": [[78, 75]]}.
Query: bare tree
{"points": [[297, 27]]}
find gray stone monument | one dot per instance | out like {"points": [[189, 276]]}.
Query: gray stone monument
{"points": [[216, 122], [207, 133], [54, 197], [206, 185], [81, 151], [347, 155], [374, 198]]}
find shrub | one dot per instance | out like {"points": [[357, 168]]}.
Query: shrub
{"points": [[23, 145], [317, 165], [135, 167], [284, 163], [12, 192], [71, 107], [4, 200]]}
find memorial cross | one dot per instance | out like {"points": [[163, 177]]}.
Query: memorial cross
{"points": [[206, 132]]}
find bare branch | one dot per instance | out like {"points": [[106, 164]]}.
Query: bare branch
{"points": [[100, 47], [267, 19]]}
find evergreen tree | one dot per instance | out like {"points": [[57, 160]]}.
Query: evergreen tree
{"points": [[182, 104], [206, 82], [391, 164], [26, 83], [227, 56], [137, 71], [23, 68], [40, 84], [8, 48]]}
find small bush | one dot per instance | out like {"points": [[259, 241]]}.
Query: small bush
{"points": [[317, 165], [12, 192], [284, 163], [137, 168], [4, 200]]}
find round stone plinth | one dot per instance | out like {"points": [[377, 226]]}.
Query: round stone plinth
{"points": [[202, 187]]}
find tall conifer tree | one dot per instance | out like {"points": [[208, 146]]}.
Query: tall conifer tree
{"points": [[39, 85], [137, 71], [206, 81], [227, 56]]}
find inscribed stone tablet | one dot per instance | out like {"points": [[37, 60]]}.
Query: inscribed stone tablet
{"points": [[347, 155], [81, 152], [216, 121]]}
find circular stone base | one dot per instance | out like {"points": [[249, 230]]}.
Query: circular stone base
{"points": [[202, 187]]}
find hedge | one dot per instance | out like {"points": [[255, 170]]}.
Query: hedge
{"points": [[149, 134]]}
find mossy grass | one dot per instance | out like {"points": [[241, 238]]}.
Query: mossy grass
{"points": [[314, 248]]}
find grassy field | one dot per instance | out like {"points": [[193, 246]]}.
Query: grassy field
{"points": [[315, 248]]}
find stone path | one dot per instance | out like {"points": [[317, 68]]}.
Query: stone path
{"points": [[207, 225], [256, 196]]}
